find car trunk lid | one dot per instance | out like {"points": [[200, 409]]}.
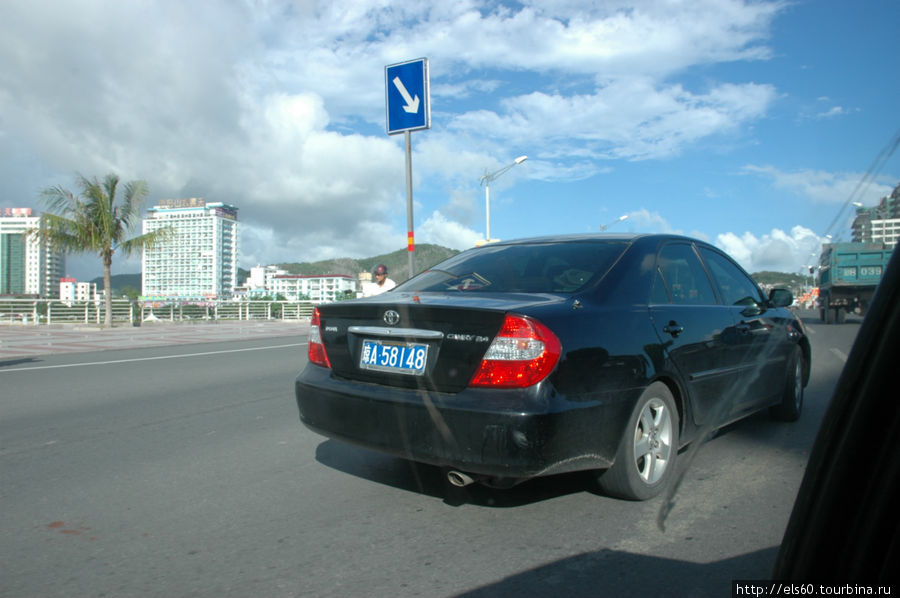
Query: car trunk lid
{"points": [[429, 340]]}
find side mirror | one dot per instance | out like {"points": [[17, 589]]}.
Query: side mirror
{"points": [[780, 298], [751, 311]]}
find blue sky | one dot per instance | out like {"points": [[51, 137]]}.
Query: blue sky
{"points": [[748, 124]]}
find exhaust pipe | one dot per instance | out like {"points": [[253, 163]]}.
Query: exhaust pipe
{"points": [[459, 479]]}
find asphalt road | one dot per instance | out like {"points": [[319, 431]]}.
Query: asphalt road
{"points": [[183, 471]]}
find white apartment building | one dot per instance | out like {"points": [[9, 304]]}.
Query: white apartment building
{"points": [[72, 290], [263, 277], [319, 289], [886, 231], [869, 229], [199, 259], [27, 266], [879, 223]]}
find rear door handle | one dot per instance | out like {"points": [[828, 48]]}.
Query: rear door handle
{"points": [[673, 328]]}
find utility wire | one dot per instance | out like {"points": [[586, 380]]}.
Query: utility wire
{"points": [[883, 156]]}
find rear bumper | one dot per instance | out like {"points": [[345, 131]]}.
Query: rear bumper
{"points": [[495, 433]]}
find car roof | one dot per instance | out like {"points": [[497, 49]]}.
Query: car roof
{"points": [[590, 237]]}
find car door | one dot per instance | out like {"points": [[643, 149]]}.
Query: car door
{"points": [[694, 330], [760, 347]]}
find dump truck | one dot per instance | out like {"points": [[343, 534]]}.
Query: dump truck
{"points": [[848, 275]]}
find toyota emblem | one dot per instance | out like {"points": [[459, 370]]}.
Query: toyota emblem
{"points": [[391, 317]]}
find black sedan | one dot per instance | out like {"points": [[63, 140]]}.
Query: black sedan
{"points": [[555, 354]]}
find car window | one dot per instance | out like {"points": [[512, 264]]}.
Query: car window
{"points": [[520, 268], [659, 294], [684, 276], [735, 286]]}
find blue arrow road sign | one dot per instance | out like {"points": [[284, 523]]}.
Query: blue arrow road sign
{"points": [[407, 94]]}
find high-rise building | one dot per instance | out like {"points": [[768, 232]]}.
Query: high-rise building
{"points": [[198, 259], [27, 265], [880, 223]]}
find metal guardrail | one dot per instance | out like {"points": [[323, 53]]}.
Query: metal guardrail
{"points": [[53, 311]]}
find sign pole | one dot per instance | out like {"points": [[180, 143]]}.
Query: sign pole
{"points": [[408, 105], [411, 246]]}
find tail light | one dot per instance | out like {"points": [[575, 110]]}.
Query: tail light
{"points": [[317, 354], [523, 353]]}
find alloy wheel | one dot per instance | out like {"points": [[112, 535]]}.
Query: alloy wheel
{"points": [[653, 441]]}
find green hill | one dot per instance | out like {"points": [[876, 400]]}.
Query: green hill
{"points": [[794, 282], [119, 281], [397, 263]]}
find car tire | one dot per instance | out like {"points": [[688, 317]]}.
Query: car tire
{"points": [[791, 404], [645, 459]]}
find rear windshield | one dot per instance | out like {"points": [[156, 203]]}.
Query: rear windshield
{"points": [[532, 268]]}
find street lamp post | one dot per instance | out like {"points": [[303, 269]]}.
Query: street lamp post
{"points": [[486, 180], [616, 221]]}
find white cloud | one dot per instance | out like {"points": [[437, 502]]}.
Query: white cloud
{"points": [[278, 106], [824, 187], [650, 222], [612, 38], [630, 118], [832, 112], [440, 231], [776, 251]]}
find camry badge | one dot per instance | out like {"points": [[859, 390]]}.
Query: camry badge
{"points": [[391, 317]]}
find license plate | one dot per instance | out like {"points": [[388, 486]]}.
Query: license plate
{"points": [[394, 357]]}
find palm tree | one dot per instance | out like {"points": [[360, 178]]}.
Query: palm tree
{"points": [[93, 222]]}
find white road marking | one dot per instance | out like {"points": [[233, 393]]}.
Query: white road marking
{"points": [[179, 356], [840, 355]]}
